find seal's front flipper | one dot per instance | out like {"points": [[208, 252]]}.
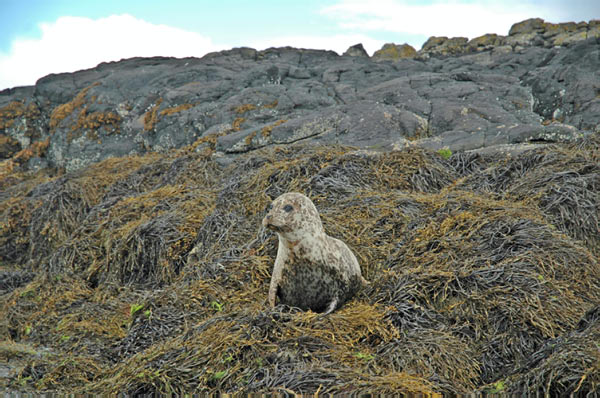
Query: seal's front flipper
{"points": [[273, 293], [331, 306]]}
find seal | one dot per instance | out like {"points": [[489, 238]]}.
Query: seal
{"points": [[312, 270]]}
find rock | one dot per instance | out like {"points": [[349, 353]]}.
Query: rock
{"points": [[8, 147], [532, 25], [593, 29], [21, 118], [491, 90], [393, 51], [522, 39], [486, 42], [539, 33], [434, 41], [364, 124], [445, 46], [356, 50], [563, 39]]}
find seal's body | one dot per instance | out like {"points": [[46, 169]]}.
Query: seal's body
{"points": [[312, 270]]}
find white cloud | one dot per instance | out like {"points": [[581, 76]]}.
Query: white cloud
{"points": [[74, 43], [437, 18], [338, 43]]}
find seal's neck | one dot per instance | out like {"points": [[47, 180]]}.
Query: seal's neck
{"points": [[294, 238]]}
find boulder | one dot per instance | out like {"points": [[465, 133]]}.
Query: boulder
{"points": [[445, 46], [394, 51], [532, 25], [486, 42], [356, 50]]}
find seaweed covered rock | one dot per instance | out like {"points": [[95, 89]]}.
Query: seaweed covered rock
{"points": [[150, 274], [564, 365], [563, 183], [394, 51], [491, 274]]}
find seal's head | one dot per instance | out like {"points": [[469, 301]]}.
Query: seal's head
{"points": [[293, 216]]}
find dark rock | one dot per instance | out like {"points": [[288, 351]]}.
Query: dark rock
{"points": [[388, 127], [356, 50], [539, 83]]}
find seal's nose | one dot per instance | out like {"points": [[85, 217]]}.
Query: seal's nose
{"points": [[266, 221]]}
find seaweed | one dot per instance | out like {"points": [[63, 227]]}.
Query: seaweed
{"points": [[565, 365], [149, 275], [562, 181]]}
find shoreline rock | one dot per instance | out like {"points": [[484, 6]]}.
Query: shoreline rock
{"points": [[540, 76]]}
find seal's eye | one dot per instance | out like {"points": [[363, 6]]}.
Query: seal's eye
{"points": [[288, 208]]}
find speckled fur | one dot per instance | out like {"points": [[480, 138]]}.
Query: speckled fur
{"points": [[312, 270]]}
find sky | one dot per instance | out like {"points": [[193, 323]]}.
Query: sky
{"points": [[39, 37]]}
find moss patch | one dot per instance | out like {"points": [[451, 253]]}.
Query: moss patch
{"points": [[14, 110], [63, 111], [241, 109], [93, 121], [151, 116], [175, 109], [266, 131]]}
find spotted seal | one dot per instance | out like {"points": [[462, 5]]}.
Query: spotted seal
{"points": [[312, 270]]}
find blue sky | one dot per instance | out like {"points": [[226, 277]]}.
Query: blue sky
{"points": [[38, 37]]}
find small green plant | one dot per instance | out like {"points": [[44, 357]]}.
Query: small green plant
{"points": [[215, 305], [64, 338], [28, 293], [218, 375], [228, 358], [148, 313], [27, 330], [24, 380], [363, 356], [135, 308], [445, 153], [497, 387], [151, 375]]}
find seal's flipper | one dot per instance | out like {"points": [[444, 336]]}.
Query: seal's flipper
{"points": [[331, 306], [273, 293]]}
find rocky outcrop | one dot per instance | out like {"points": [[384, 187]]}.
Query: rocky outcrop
{"points": [[391, 51], [531, 32], [538, 84], [356, 50], [444, 46]]}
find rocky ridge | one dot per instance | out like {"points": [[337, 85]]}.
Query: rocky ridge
{"points": [[541, 83]]}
